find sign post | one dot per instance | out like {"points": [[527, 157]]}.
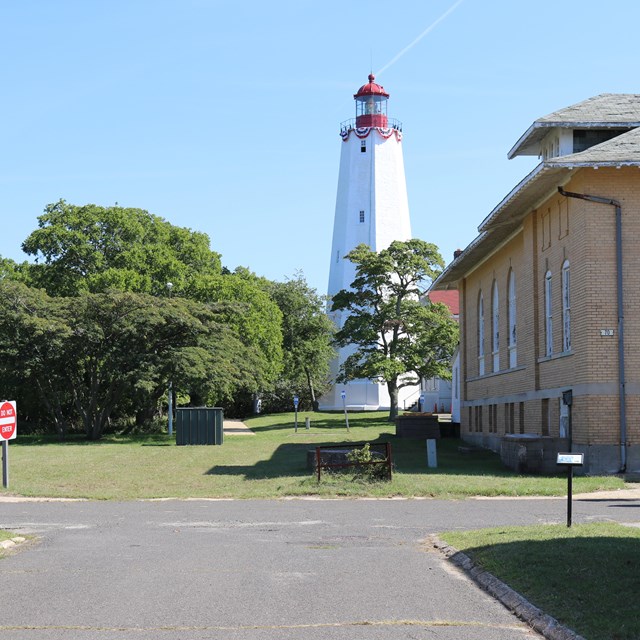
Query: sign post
{"points": [[570, 460], [296, 402], [343, 395], [8, 431]]}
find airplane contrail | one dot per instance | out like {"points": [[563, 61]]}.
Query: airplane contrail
{"points": [[422, 35]]}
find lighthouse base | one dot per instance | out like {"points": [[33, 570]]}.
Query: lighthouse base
{"points": [[364, 395]]}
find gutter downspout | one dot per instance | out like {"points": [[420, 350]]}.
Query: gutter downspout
{"points": [[621, 373]]}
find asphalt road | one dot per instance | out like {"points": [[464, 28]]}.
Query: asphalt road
{"points": [[258, 570]]}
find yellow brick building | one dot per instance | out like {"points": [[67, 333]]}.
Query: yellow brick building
{"points": [[550, 298]]}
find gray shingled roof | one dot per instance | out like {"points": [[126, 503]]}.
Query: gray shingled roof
{"points": [[506, 217], [622, 150], [504, 220], [606, 111]]}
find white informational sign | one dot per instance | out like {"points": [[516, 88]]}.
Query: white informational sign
{"points": [[343, 394], [296, 401], [574, 459], [8, 420]]}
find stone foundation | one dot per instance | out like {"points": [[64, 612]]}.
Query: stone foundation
{"points": [[531, 453]]}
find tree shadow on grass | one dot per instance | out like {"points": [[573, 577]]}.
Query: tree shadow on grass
{"points": [[408, 454], [287, 460]]}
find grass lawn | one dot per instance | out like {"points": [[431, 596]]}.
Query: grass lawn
{"points": [[587, 577], [270, 464]]}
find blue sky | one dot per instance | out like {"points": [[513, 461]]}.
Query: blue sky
{"points": [[223, 116]]}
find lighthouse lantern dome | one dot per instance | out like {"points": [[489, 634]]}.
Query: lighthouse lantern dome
{"points": [[371, 105]]}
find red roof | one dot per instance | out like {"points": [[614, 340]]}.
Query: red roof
{"points": [[450, 298], [371, 89]]}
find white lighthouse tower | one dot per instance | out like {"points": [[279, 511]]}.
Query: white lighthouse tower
{"points": [[371, 208]]}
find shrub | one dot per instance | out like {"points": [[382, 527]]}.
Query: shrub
{"points": [[363, 469]]}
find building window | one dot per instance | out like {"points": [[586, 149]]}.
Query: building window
{"points": [[548, 315], [513, 352], [509, 417], [361, 218], [545, 417], [478, 417], [495, 328], [521, 412], [563, 218], [566, 307], [363, 146], [480, 335], [493, 418], [546, 229]]}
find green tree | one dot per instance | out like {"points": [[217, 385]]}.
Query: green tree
{"points": [[307, 337], [254, 317], [397, 339], [86, 357], [93, 249], [33, 334]]}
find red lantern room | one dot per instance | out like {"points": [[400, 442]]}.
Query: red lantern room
{"points": [[371, 105]]}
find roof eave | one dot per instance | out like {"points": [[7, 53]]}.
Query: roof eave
{"points": [[523, 139], [595, 165], [510, 196], [527, 138]]}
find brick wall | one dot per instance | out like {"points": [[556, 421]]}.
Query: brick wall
{"points": [[583, 233]]}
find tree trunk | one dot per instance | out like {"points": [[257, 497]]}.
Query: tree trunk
{"points": [[315, 405], [392, 388]]}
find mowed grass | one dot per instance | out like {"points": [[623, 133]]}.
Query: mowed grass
{"points": [[587, 577], [271, 464]]}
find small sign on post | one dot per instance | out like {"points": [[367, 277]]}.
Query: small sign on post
{"points": [[343, 395], [8, 431], [296, 402], [570, 460]]}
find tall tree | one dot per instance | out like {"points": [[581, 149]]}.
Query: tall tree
{"points": [[90, 355], [397, 339], [94, 249], [33, 334], [307, 336], [254, 317]]}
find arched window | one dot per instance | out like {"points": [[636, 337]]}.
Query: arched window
{"points": [[480, 335], [566, 307], [495, 327], [548, 315], [511, 313]]}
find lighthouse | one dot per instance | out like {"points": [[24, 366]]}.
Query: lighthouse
{"points": [[371, 208]]}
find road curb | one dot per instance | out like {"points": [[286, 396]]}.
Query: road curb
{"points": [[544, 624]]}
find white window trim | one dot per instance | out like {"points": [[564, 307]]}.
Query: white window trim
{"points": [[481, 335], [512, 337], [566, 307], [495, 327], [548, 314]]}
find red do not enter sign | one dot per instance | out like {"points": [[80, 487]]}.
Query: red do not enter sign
{"points": [[8, 420]]}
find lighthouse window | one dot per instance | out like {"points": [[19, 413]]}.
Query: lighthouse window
{"points": [[362, 216], [363, 146]]}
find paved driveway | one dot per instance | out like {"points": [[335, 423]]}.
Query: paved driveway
{"points": [[257, 570]]}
